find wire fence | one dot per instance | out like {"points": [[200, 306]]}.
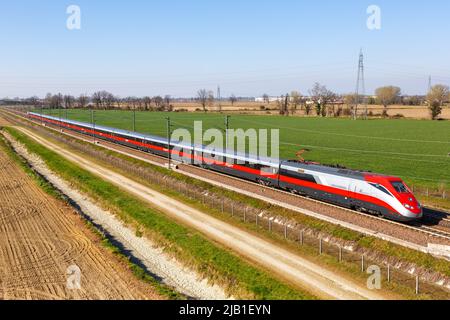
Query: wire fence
{"points": [[263, 221], [429, 192]]}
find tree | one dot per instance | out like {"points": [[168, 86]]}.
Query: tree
{"points": [[82, 101], [119, 101], [438, 95], [34, 101], [158, 100], [308, 107], [233, 99], [283, 105], [350, 101], [387, 96], [67, 102], [56, 101], [97, 99], [296, 99], [107, 99], [167, 105], [147, 103], [321, 97], [48, 99], [210, 99], [202, 98], [286, 105], [280, 104], [131, 103]]}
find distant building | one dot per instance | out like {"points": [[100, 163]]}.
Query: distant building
{"points": [[270, 99]]}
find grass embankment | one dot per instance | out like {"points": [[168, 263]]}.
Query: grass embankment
{"points": [[137, 271], [240, 278], [415, 150]]}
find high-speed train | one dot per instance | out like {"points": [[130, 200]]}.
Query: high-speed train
{"points": [[363, 191]]}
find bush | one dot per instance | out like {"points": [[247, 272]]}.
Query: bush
{"points": [[435, 109]]}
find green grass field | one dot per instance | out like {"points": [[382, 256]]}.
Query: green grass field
{"points": [[416, 150]]}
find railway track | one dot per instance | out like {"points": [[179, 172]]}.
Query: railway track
{"points": [[431, 232]]}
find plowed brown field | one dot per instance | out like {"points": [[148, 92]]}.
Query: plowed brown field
{"points": [[40, 238]]}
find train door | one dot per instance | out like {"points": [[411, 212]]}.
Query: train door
{"points": [[352, 191], [358, 189]]}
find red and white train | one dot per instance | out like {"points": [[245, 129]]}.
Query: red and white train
{"points": [[373, 193]]}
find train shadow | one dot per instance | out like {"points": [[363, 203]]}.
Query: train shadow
{"points": [[433, 217]]}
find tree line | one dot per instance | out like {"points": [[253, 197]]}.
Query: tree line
{"points": [[102, 100], [321, 101], [326, 103]]}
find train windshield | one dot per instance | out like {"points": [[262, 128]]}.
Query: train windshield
{"points": [[400, 187]]}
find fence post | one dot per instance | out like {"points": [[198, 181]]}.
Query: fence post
{"points": [[245, 214], [417, 284], [362, 263], [320, 246], [232, 210], [285, 231], [428, 192], [256, 220], [443, 195], [270, 225], [340, 254], [389, 273]]}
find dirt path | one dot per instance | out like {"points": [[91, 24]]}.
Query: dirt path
{"points": [[299, 271], [40, 238]]}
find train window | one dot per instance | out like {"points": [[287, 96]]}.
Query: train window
{"points": [[255, 166], [400, 187], [297, 175], [381, 188]]}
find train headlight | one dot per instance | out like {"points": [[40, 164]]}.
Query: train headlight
{"points": [[407, 206]]}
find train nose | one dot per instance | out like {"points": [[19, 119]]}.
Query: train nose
{"points": [[414, 210]]}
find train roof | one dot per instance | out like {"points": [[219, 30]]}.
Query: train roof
{"points": [[339, 171]]}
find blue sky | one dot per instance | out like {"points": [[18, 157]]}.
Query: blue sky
{"points": [[247, 47]]}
